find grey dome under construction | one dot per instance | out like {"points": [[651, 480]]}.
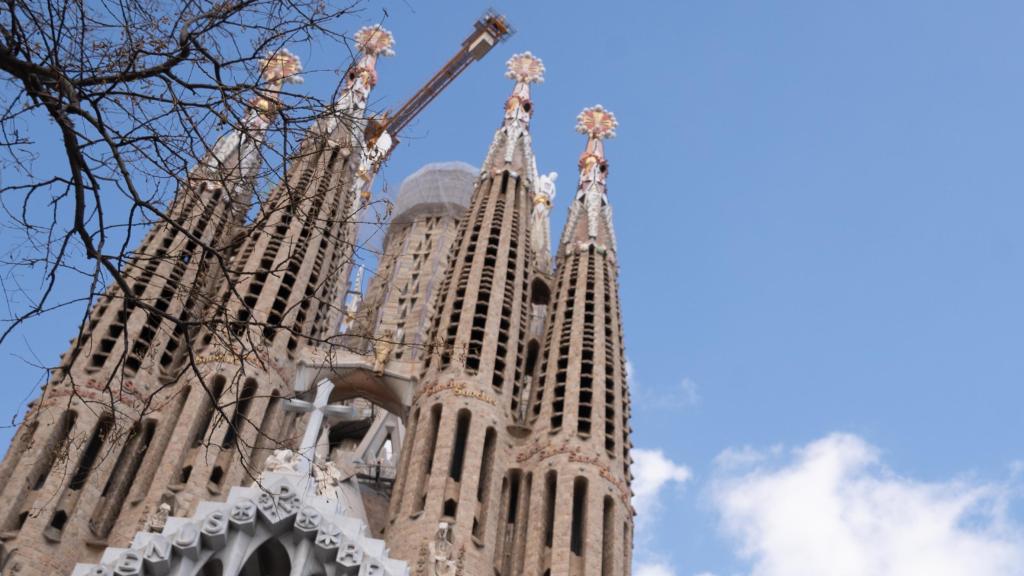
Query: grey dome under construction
{"points": [[439, 188]]}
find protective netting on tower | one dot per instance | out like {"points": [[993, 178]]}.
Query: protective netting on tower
{"points": [[436, 186]]}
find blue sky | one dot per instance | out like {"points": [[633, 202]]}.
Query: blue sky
{"points": [[818, 211]]}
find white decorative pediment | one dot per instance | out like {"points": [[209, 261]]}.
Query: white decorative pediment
{"points": [[283, 513]]}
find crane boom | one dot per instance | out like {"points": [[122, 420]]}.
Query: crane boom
{"points": [[490, 29]]}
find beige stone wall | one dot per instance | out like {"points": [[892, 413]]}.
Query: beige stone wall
{"points": [[507, 447], [70, 489], [288, 297], [402, 292], [458, 446], [212, 420]]}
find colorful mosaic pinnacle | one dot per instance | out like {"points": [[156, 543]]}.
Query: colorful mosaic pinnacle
{"points": [[525, 67], [275, 70], [375, 40], [596, 122], [281, 66]]}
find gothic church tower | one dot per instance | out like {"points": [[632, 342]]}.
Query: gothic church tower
{"points": [[73, 467], [457, 444], [497, 372], [579, 417], [286, 297]]}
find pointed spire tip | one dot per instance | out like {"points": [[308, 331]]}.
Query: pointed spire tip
{"points": [[375, 41], [525, 67], [281, 66], [597, 122]]}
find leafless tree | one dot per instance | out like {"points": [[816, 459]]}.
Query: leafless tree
{"points": [[106, 109]]}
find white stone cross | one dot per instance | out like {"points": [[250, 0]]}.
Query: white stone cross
{"points": [[319, 410]]}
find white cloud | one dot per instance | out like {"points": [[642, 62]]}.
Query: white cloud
{"points": [[684, 394], [830, 508], [651, 472], [653, 569], [688, 392]]}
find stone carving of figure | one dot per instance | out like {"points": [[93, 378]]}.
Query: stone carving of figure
{"points": [[540, 225], [441, 563], [337, 483], [158, 519], [281, 461], [328, 480], [382, 352]]}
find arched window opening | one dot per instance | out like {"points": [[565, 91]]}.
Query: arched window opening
{"points": [[579, 516], [92, 452], [212, 567], [269, 434], [61, 434], [203, 423], [216, 475], [450, 508], [398, 492], [532, 351], [426, 466], [240, 416], [608, 538], [22, 441], [550, 485], [208, 396], [540, 294], [270, 558], [121, 479], [459, 446], [483, 487], [59, 520]]}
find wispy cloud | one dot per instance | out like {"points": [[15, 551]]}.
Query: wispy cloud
{"points": [[662, 396], [653, 569], [652, 471], [687, 392], [831, 507]]}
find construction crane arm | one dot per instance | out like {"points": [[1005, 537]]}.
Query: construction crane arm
{"points": [[488, 31]]}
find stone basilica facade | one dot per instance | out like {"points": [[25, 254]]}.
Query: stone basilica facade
{"points": [[470, 416]]}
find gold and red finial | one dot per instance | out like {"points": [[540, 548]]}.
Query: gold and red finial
{"points": [[596, 123], [281, 66], [375, 41], [526, 68], [275, 70]]}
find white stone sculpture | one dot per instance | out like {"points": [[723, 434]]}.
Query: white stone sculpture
{"points": [[540, 223], [441, 562]]}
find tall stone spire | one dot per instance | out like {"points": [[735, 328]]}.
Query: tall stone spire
{"points": [[447, 495], [579, 455], [238, 151], [514, 135], [372, 42], [108, 412], [286, 296], [590, 215]]}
